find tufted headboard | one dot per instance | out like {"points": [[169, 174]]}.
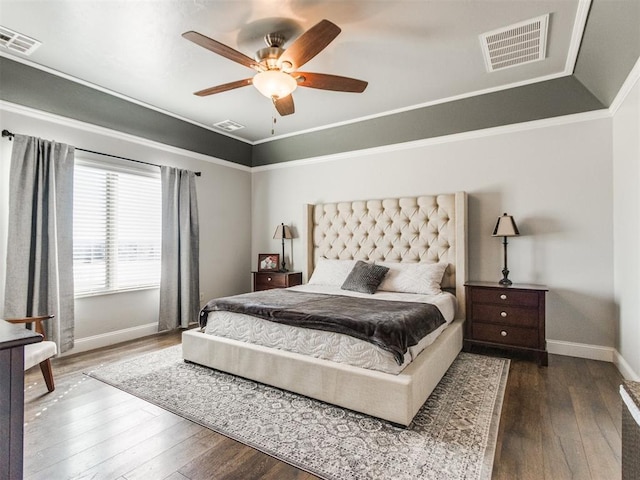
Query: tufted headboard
{"points": [[428, 228]]}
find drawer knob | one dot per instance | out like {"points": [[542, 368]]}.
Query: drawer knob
{"points": [[503, 297], [268, 279], [503, 314], [503, 333]]}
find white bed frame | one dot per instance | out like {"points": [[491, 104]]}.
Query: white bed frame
{"points": [[426, 228]]}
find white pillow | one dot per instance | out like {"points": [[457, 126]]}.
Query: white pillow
{"points": [[413, 277], [331, 272]]}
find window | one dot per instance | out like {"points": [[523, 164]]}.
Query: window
{"points": [[116, 229]]}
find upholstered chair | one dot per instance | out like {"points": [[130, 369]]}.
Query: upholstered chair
{"points": [[41, 352]]}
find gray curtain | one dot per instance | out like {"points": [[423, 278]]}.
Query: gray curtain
{"points": [[40, 236], [180, 281]]}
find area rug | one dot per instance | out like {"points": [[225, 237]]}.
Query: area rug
{"points": [[453, 436]]}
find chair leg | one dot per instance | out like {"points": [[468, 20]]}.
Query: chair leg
{"points": [[47, 373]]}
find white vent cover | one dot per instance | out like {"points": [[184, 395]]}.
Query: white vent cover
{"points": [[17, 42], [228, 125], [517, 44]]}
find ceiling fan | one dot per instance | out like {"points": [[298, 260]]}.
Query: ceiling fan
{"points": [[277, 68]]}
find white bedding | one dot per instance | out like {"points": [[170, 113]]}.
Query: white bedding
{"points": [[328, 345]]}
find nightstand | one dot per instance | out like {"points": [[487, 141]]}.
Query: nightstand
{"points": [[268, 280], [507, 317]]}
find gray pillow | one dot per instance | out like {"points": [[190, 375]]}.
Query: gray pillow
{"points": [[364, 277]]}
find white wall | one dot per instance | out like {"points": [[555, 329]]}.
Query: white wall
{"points": [[224, 202], [556, 179], [626, 201]]}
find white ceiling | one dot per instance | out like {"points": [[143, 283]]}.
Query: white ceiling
{"points": [[412, 53]]}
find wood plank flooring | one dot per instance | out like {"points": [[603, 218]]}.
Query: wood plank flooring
{"points": [[558, 422]]}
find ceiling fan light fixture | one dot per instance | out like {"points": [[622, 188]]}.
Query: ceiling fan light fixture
{"points": [[274, 83]]}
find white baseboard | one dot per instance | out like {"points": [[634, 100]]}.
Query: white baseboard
{"points": [[111, 338], [581, 350], [593, 352], [625, 369]]}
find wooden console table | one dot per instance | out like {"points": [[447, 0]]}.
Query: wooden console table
{"points": [[13, 338]]}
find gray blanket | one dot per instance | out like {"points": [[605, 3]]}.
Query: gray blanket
{"points": [[392, 326]]}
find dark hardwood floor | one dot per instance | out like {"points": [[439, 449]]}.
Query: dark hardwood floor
{"points": [[558, 422]]}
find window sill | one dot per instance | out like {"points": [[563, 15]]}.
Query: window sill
{"points": [[113, 292]]}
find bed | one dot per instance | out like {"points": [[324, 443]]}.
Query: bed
{"points": [[421, 230]]}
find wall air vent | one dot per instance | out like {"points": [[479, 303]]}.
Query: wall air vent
{"points": [[17, 42], [228, 125], [524, 42]]}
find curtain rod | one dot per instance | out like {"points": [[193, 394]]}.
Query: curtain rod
{"points": [[7, 133]]}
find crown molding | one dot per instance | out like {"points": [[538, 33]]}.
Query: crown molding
{"points": [[582, 14]]}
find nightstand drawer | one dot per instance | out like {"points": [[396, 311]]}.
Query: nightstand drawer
{"points": [[265, 281], [505, 335], [508, 315], [504, 297], [268, 280]]}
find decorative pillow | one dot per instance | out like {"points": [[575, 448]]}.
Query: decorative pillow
{"points": [[365, 277], [331, 272], [413, 277]]}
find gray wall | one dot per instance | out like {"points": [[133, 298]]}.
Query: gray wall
{"points": [[554, 177], [626, 215]]}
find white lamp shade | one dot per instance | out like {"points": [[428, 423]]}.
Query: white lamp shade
{"points": [[506, 227], [283, 231], [274, 83]]}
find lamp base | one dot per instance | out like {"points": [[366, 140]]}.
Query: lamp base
{"points": [[505, 280], [283, 268]]}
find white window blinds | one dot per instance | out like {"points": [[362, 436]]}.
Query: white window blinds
{"points": [[117, 221]]}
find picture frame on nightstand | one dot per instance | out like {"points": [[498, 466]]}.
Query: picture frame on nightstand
{"points": [[268, 262]]}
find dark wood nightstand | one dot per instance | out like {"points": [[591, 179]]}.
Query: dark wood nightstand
{"points": [[507, 317], [268, 280]]}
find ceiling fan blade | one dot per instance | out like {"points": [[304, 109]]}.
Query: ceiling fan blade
{"points": [[284, 105], [221, 49], [308, 45], [224, 87], [324, 81]]}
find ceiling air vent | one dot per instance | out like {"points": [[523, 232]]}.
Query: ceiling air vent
{"points": [[17, 42], [228, 125], [524, 42]]}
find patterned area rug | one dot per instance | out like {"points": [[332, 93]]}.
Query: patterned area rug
{"points": [[453, 436]]}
